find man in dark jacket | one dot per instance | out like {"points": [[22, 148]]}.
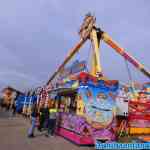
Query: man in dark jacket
{"points": [[44, 116]]}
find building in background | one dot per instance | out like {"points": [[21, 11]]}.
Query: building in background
{"points": [[9, 94]]}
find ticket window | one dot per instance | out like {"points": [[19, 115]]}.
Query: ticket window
{"points": [[67, 104], [62, 104]]}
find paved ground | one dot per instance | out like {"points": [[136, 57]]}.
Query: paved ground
{"points": [[13, 136]]}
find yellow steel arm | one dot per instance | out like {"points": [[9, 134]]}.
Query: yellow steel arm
{"points": [[96, 66], [73, 51]]}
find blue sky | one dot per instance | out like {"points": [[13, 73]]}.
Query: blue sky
{"points": [[35, 36]]}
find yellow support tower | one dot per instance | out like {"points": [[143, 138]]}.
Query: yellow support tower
{"points": [[96, 66]]}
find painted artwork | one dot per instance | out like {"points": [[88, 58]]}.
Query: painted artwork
{"points": [[95, 113], [80, 126], [122, 99], [68, 76], [76, 67], [100, 107], [139, 110]]}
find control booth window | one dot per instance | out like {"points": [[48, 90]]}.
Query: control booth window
{"points": [[67, 104]]}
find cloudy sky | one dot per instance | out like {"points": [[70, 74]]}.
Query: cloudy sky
{"points": [[35, 36]]}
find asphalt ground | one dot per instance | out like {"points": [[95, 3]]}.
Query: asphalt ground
{"points": [[13, 136]]}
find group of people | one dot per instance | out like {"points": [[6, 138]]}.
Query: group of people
{"points": [[44, 118]]}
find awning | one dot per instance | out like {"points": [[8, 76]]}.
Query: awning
{"points": [[63, 92]]}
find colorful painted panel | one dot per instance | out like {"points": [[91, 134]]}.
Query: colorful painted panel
{"points": [[80, 126], [139, 114], [76, 67], [100, 107], [95, 114]]}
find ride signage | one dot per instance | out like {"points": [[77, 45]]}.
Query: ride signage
{"points": [[76, 67]]}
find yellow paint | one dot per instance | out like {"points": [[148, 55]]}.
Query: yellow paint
{"points": [[96, 66], [106, 37], [98, 115], [52, 110], [114, 110], [80, 106], [148, 89], [75, 85]]}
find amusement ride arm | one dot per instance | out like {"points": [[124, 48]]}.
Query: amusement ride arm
{"points": [[73, 51], [85, 30], [107, 39]]}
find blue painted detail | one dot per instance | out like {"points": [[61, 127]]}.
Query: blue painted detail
{"points": [[115, 145]]}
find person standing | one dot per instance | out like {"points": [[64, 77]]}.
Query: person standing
{"points": [[44, 114], [52, 120], [34, 115]]}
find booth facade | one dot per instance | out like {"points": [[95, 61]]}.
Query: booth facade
{"points": [[87, 113]]}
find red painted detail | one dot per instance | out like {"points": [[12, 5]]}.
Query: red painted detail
{"points": [[139, 117], [74, 137], [115, 46], [111, 82], [130, 59], [84, 77]]}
